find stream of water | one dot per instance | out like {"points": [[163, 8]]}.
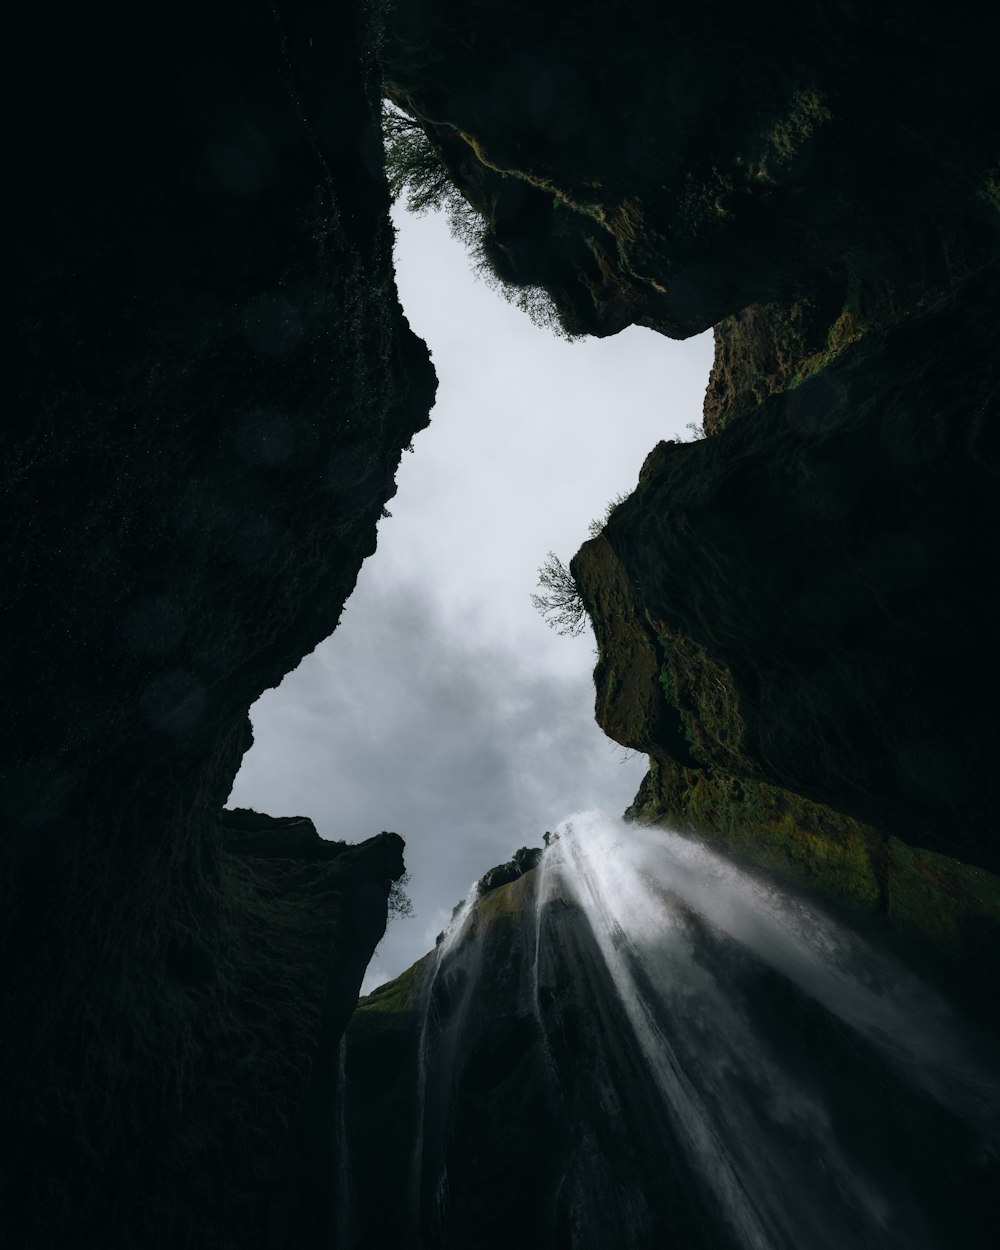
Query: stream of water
{"points": [[649, 1040], [680, 930]]}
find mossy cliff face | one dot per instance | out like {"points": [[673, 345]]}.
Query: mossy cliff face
{"points": [[812, 578], [661, 693], [671, 165], [799, 607], [218, 385]]}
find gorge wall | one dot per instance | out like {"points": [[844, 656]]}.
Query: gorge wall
{"points": [[218, 383], [797, 616]]}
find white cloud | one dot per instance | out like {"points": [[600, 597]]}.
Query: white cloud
{"points": [[443, 707]]}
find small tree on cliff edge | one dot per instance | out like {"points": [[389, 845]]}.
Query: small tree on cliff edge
{"points": [[414, 170], [559, 603], [399, 902], [417, 175]]}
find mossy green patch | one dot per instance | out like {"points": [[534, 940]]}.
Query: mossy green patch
{"points": [[386, 1023], [779, 830], [945, 912], [630, 703], [806, 112], [991, 189], [396, 996], [941, 898], [502, 906], [707, 697]]}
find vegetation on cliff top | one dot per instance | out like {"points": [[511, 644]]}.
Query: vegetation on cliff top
{"points": [[560, 603], [419, 176]]}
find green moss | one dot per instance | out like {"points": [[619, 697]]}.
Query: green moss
{"points": [[856, 318], [940, 897], [708, 699], [778, 830], [500, 907], [660, 691], [629, 701], [807, 111], [762, 350], [626, 222], [770, 349], [395, 996], [668, 684], [946, 911]]}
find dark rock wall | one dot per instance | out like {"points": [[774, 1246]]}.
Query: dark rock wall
{"points": [[829, 554], [217, 383], [673, 164]]}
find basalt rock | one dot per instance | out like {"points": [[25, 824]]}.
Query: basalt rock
{"points": [[218, 385], [676, 164]]}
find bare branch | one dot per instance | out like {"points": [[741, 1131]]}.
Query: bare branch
{"points": [[560, 603]]}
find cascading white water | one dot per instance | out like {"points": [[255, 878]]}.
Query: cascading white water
{"points": [[685, 935], [444, 945], [642, 1044]]}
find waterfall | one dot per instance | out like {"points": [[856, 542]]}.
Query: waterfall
{"points": [[653, 887], [682, 932], [444, 944], [640, 1043]]}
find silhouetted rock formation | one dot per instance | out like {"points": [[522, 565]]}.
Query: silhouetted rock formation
{"points": [[219, 384], [671, 165]]}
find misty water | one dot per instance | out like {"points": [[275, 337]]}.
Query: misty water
{"points": [[673, 1046], [680, 929]]}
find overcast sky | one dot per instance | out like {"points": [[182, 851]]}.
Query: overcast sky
{"points": [[443, 707]]}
